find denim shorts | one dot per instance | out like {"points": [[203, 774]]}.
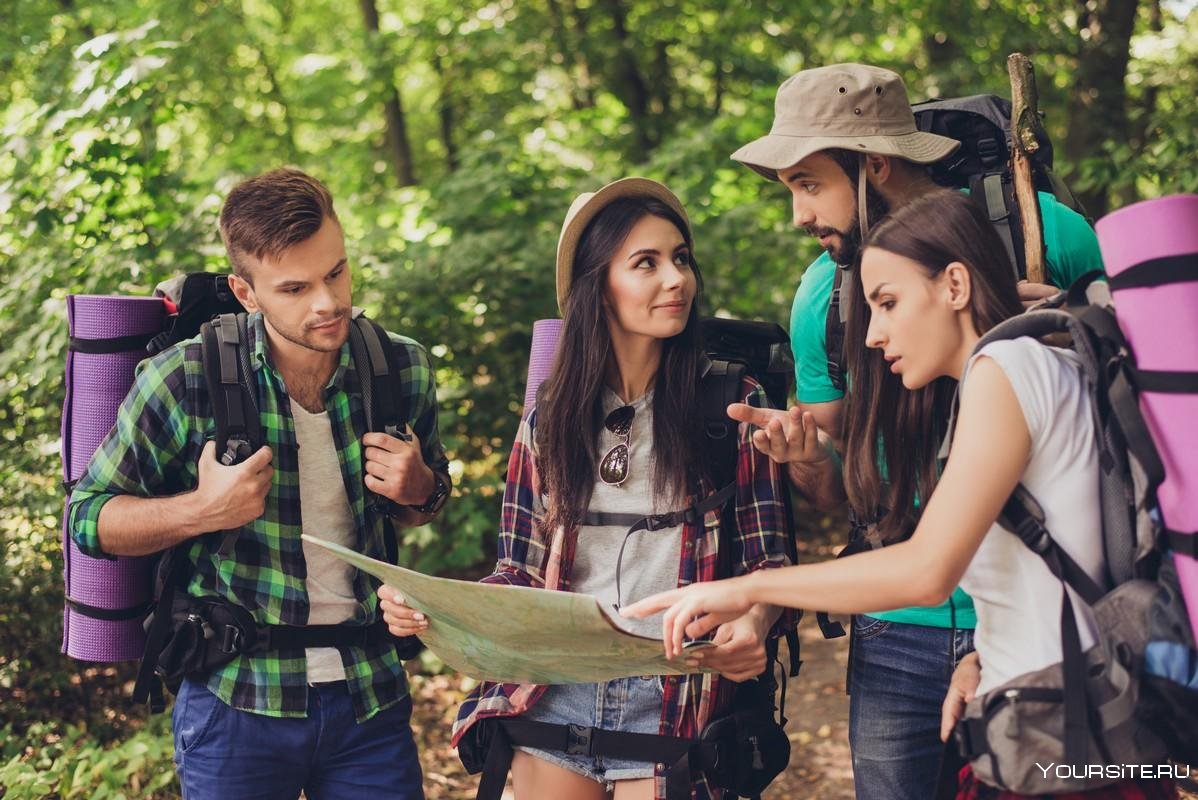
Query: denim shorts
{"points": [[632, 705]]}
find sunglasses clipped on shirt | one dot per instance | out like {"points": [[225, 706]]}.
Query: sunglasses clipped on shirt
{"points": [[613, 467]]}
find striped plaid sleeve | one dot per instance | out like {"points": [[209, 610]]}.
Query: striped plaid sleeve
{"points": [[762, 526], [142, 453], [419, 383], [760, 507], [523, 548]]}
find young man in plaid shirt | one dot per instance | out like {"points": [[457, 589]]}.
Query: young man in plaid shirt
{"points": [[331, 722]]}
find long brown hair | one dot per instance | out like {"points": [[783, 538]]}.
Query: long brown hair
{"points": [[570, 401], [893, 434]]}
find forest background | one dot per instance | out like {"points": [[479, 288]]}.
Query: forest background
{"points": [[453, 136]]}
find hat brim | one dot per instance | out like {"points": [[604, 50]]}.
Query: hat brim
{"points": [[774, 152], [576, 223]]}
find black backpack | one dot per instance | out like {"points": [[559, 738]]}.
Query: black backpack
{"points": [[982, 164], [744, 750], [188, 636]]}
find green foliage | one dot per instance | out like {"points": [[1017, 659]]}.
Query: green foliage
{"points": [[65, 762], [125, 123]]}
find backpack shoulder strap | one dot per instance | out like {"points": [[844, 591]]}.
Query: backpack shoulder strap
{"points": [[386, 405], [1023, 516], [834, 324], [996, 198], [225, 355], [718, 388]]}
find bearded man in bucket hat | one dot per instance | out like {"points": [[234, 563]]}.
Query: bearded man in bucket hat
{"points": [[845, 144]]}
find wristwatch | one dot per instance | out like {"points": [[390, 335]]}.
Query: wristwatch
{"points": [[437, 498]]}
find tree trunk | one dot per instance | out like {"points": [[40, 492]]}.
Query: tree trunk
{"points": [[1140, 130], [717, 81], [630, 84], [1098, 107], [586, 85], [558, 26], [445, 115], [662, 85], [397, 129]]}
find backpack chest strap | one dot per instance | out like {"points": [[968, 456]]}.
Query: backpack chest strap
{"points": [[655, 522]]}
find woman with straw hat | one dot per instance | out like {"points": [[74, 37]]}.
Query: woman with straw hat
{"points": [[615, 431]]}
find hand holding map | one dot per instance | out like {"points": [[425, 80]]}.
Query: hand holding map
{"points": [[515, 634]]}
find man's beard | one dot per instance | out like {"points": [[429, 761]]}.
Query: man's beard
{"points": [[303, 338], [849, 247]]}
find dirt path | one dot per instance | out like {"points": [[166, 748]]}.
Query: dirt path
{"points": [[818, 723]]}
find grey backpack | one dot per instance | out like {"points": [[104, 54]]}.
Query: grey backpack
{"points": [[1059, 728]]}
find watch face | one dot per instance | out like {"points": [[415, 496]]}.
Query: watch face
{"points": [[437, 499]]}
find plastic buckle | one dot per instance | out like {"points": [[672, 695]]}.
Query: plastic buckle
{"points": [[578, 740], [1034, 535], [393, 430], [659, 521], [236, 449], [231, 639]]}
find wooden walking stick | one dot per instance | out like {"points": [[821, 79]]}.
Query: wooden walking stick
{"points": [[1025, 127]]}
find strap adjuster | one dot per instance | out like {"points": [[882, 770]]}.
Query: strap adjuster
{"points": [[236, 449], [231, 639], [1034, 535], [578, 740], [660, 521]]}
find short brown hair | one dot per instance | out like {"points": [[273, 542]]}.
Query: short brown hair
{"points": [[266, 215]]}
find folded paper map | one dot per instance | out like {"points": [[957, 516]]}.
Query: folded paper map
{"points": [[514, 634]]}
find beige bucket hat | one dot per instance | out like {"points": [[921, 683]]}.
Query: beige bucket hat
{"points": [[849, 106], [583, 210]]}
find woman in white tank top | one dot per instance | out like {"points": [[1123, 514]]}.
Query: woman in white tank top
{"points": [[933, 278]]}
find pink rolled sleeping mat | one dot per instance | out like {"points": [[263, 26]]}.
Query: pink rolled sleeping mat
{"points": [[106, 598], [545, 333], [1150, 250]]}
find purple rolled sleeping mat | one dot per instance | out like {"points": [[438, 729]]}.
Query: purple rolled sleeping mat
{"points": [[106, 598], [545, 333], [1150, 250]]}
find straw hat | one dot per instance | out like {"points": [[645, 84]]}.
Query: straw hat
{"points": [[583, 210]]}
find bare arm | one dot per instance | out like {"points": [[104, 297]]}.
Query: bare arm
{"points": [[989, 454]]}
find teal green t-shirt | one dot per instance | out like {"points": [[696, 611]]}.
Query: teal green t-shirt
{"points": [[1071, 250]]}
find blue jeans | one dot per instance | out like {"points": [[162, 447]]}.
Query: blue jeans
{"points": [[632, 705], [898, 677], [221, 752]]}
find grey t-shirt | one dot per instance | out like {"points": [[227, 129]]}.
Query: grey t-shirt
{"points": [[651, 558]]}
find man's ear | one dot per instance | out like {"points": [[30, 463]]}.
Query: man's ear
{"points": [[958, 284], [244, 292], [878, 168]]}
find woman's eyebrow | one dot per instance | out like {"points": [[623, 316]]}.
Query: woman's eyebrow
{"points": [[877, 290]]}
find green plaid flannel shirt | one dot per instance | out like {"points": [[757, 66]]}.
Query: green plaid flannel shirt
{"points": [[152, 451]]}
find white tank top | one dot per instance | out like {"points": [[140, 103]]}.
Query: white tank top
{"points": [[1017, 599]]}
